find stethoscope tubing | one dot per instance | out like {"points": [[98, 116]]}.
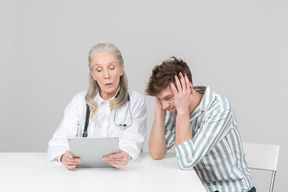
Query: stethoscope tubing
{"points": [[85, 132]]}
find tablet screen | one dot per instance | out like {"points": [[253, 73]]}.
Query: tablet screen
{"points": [[92, 150]]}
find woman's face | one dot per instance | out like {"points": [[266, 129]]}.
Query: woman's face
{"points": [[106, 71]]}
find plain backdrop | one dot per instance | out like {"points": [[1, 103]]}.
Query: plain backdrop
{"points": [[238, 48]]}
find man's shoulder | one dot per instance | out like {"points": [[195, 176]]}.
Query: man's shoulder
{"points": [[223, 102], [216, 100]]}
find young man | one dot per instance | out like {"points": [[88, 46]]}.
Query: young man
{"points": [[203, 126]]}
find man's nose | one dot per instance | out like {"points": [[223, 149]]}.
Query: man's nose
{"points": [[165, 105]]}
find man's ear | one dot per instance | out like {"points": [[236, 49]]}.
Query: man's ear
{"points": [[191, 89]]}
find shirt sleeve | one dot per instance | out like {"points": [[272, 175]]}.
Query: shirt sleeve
{"points": [[212, 130], [133, 138], [58, 145], [169, 130]]}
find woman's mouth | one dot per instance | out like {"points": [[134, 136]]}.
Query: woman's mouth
{"points": [[108, 84]]}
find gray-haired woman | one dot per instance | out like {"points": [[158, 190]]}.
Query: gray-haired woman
{"points": [[109, 102]]}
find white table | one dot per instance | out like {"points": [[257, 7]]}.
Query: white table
{"points": [[31, 172]]}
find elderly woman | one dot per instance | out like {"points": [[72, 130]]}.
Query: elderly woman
{"points": [[107, 98]]}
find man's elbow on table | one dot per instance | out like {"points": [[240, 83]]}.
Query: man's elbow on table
{"points": [[157, 156], [185, 166]]}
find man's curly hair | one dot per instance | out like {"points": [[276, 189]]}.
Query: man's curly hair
{"points": [[164, 74]]}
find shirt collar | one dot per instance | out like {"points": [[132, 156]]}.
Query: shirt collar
{"points": [[207, 99], [100, 100]]}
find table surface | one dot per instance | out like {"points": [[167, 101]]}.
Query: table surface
{"points": [[33, 172]]}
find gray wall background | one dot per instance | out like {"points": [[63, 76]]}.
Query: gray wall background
{"points": [[239, 48]]}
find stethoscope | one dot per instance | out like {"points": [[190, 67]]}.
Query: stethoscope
{"points": [[85, 132]]}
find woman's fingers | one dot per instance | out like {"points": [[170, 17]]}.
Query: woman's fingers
{"points": [[69, 161], [117, 160]]}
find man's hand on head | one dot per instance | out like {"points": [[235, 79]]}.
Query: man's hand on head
{"points": [[183, 93]]}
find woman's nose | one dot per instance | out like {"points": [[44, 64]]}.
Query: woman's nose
{"points": [[106, 74]]}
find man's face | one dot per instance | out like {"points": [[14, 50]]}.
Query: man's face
{"points": [[166, 97]]}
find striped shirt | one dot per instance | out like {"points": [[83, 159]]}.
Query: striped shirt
{"points": [[215, 150]]}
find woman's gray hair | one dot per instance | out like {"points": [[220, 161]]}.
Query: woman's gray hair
{"points": [[94, 88]]}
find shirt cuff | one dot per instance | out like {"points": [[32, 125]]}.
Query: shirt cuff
{"points": [[185, 148]]}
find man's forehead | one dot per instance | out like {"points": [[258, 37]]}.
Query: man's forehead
{"points": [[165, 93]]}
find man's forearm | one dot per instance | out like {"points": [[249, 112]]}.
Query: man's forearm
{"points": [[183, 130], [157, 141]]}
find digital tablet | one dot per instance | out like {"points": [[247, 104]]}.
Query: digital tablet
{"points": [[92, 150]]}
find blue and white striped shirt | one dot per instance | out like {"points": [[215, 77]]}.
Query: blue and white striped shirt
{"points": [[215, 150]]}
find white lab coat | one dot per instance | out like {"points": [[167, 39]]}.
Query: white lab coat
{"points": [[131, 138]]}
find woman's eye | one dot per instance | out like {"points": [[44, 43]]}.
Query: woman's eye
{"points": [[98, 69], [112, 67]]}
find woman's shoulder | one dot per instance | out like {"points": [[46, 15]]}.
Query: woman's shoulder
{"points": [[81, 94], [137, 101], [136, 98], [79, 97], [135, 95], [78, 102]]}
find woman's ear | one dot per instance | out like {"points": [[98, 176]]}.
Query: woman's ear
{"points": [[92, 75], [122, 70]]}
